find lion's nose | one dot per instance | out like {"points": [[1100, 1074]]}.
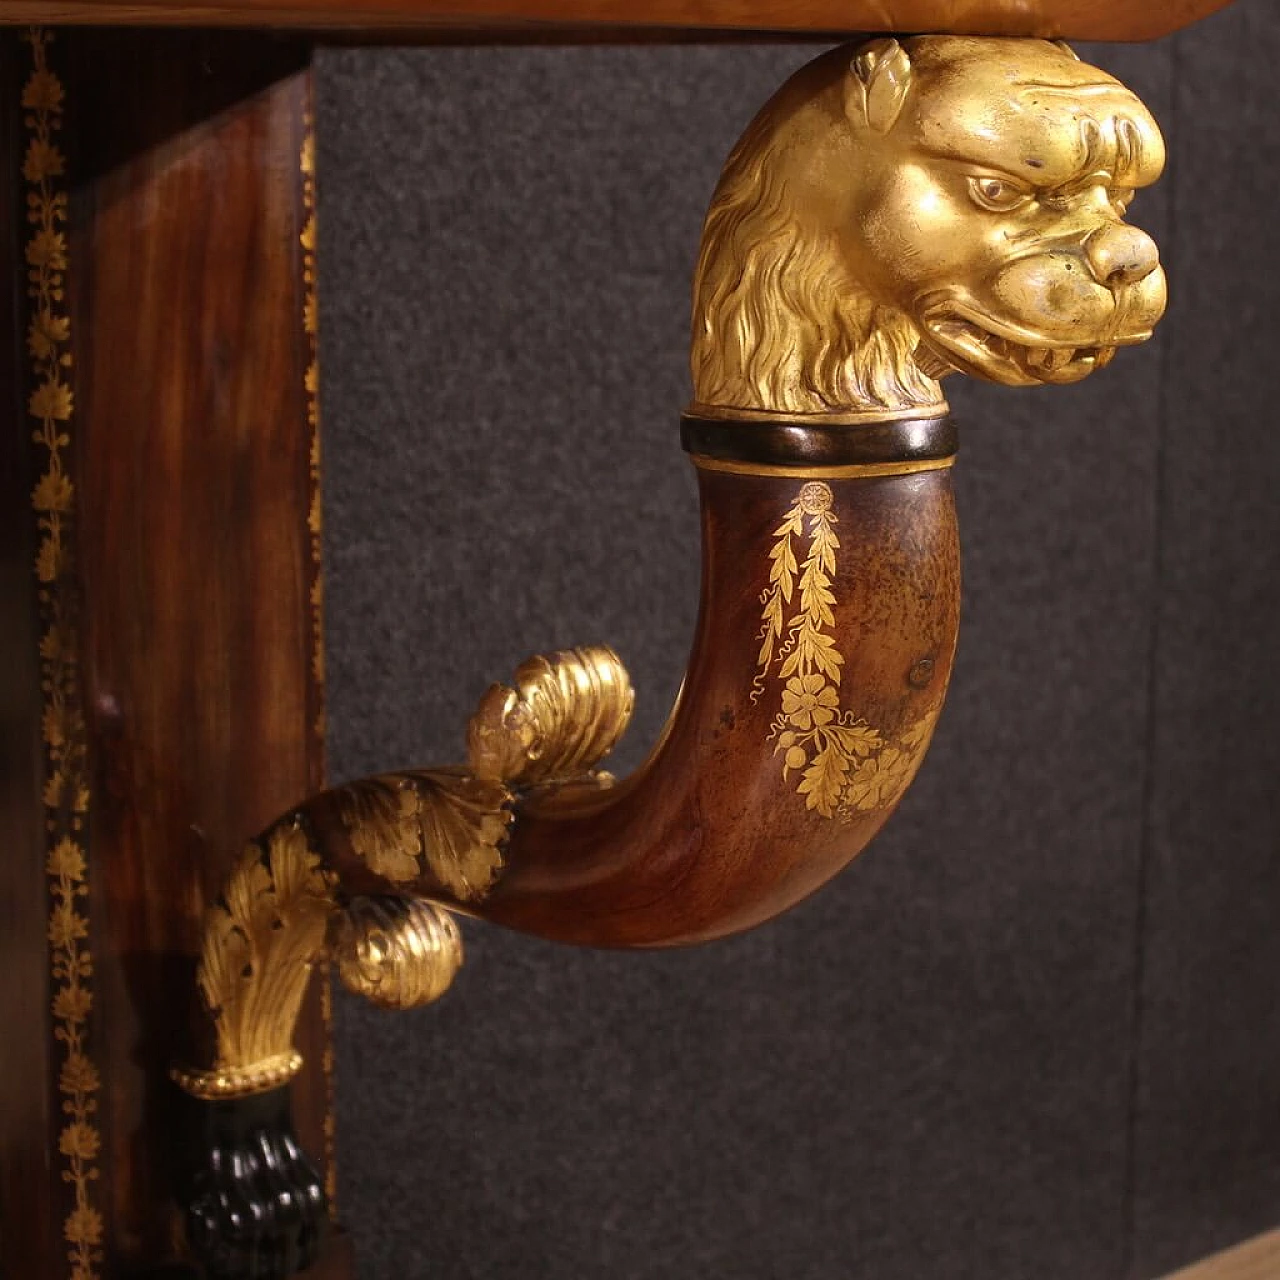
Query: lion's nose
{"points": [[1120, 255]]}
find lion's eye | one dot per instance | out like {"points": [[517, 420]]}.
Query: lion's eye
{"points": [[997, 194]]}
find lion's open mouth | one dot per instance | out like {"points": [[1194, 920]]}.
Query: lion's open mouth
{"points": [[972, 348]]}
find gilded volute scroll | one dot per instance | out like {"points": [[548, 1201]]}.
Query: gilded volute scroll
{"points": [[900, 211]]}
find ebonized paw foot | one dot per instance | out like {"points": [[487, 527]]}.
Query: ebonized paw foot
{"points": [[255, 1207]]}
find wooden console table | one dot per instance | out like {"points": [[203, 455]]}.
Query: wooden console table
{"points": [[164, 677]]}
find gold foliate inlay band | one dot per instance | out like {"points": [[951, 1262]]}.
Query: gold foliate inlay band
{"points": [[846, 766], [852, 471], [307, 241], [311, 390], [66, 785]]}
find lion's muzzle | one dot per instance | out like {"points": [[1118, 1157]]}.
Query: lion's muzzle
{"points": [[1120, 255]]}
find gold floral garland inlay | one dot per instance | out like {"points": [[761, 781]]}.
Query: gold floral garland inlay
{"points": [[66, 789], [311, 392], [847, 767]]}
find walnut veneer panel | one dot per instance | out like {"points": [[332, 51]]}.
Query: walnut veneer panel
{"points": [[160, 694]]}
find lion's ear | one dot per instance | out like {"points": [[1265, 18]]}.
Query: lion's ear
{"points": [[878, 83]]}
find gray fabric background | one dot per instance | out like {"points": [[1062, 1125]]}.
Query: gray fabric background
{"points": [[1033, 1031]]}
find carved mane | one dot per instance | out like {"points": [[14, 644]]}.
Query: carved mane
{"points": [[778, 324]]}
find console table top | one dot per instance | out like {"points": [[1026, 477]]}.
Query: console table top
{"points": [[608, 19]]}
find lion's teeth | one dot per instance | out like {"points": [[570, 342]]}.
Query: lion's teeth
{"points": [[1050, 359]]}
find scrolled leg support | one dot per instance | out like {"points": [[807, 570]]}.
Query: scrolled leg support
{"points": [[358, 875], [900, 211]]}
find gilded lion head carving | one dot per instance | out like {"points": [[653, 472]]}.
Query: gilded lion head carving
{"points": [[904, 210]]}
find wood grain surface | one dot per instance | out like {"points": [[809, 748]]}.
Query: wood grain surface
{"points": [[1070, 19], [771, 775], [193, 566], [195, 547], [711, 837]]}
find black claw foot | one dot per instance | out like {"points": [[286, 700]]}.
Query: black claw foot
{"points": [[255, 1207]]}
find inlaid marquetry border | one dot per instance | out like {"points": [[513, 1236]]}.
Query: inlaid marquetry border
{"points": [[311, 392], [65, 798]]}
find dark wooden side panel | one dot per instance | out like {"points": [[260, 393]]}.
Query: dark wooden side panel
{"points": [[28, 1236], [194, 572]]}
